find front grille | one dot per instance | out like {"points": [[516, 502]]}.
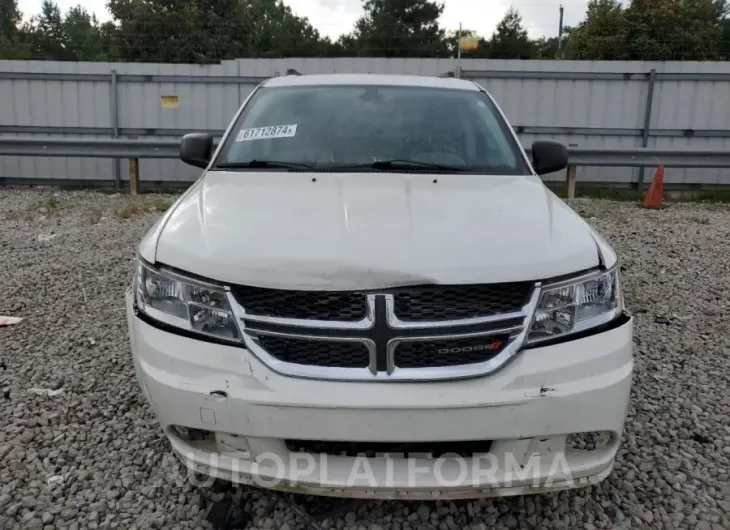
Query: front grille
{"points": [[465, 449], [384, 334], [346, 306], [412, 304], [327, 354], [450, 352], [450, 302]]}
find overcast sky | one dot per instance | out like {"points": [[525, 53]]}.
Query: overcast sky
{"points": [[335, 17]]}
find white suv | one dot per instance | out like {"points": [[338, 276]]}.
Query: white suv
{"points": [[370, 293]]}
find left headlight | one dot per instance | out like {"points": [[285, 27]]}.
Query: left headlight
{"points": [[185, 303], [576, 305]]}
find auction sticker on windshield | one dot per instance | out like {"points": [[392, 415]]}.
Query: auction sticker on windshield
{"points": [[262, 133]]}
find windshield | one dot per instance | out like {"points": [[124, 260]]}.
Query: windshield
{"points": [[358, 125]]}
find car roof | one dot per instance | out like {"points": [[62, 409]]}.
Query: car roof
{"points": [[371, 79]]}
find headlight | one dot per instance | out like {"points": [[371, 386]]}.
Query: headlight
{"points": [[184, 303], [576, 305]]}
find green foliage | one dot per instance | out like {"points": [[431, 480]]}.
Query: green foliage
{"points": [[546, 48], [399, 28], [649, 30], [9, 17], [602, 35], [208, 31], [12, 45], [725, 39], [205, 31], [510, 40], [85, 40], [673, 30]]}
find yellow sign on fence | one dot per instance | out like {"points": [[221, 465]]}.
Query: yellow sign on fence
{"points": [[168, 102], [469, 43]]}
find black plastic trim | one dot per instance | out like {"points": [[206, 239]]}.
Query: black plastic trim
{"points": [[163, 326], [623, 319], [380, 327]]}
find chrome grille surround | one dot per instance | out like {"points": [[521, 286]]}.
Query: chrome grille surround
{"points": [[381, 331]]}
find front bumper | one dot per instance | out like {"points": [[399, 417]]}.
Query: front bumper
{"points": [[530, 410]]}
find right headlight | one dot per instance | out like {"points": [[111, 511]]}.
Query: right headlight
{"points": [[576, 305], [186, 303]]}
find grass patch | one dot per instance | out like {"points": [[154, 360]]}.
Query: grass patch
{"points": [[124, 190], [614, 194], [595, 192], [94, 215], [127, 210], [713, 195], [720, 195], [149, 190], [162, 204], [47, 206], [104, 190], [166, 191], [700, 220]]}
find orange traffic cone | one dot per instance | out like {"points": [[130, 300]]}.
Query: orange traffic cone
{"points": [[654, 194]]}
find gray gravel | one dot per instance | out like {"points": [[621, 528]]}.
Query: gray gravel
{"points": [[88, 454]]}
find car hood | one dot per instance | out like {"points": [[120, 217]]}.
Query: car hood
{"points": [[371, 230]]}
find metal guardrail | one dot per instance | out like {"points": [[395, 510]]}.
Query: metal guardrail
{"points": [[136, 149], [649, 157], [579, 156], [89, 147]]}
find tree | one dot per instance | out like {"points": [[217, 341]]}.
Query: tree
{"points": [[205, 31], [725, 39], [46, 33], [400, 28], [602, 35], [9, 17], [546, 48], [510, 40], [111, 41], [76, 36], [168, 31], [722, 14], [649, 30], [285, 34], [673, 30], [208, 31], [84, 40], [12, 45], [346, 45]]}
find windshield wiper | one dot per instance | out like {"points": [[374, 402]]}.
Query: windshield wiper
{"points": [[382, 165], [402, 164], [263, 164]]}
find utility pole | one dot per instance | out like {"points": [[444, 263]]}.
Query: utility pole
{"points": [[458, 54], [560, 31]]}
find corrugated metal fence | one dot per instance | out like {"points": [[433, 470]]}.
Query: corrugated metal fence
{"points": [[586, 104]]}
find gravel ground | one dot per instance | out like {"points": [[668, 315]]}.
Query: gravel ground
{"points": [[88, 454]]}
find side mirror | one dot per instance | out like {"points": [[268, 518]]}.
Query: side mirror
{"points": [[548, 157], [196, 149]]}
